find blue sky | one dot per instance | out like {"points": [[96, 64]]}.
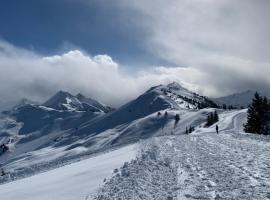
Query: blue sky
{"points": [[113, 50], [96, 26]]}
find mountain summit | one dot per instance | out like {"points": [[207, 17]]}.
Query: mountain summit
{"points": [[65, 101], [182, 98]]}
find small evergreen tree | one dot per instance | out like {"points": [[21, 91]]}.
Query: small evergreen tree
{"points": [[177, 117], [215, 117], [166, 113], [258, 116]]}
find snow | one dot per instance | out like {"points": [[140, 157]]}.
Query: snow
{"points": [[170, 164], [62, 124], [75, 181], [202, 165]]}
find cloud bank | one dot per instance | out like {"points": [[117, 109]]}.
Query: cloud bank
{"points": [[223, 41], [26, 74]]}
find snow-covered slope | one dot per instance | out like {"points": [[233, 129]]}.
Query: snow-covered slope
{"points": [[30, 128], [202, 165], [62, 129], [182, 98], [171, 96], [92, 104], [171, 164], [74, 181]]}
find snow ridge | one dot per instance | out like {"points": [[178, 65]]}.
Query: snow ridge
{"points": [[150, 176]]}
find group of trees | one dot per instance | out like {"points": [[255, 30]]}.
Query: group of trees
{"points": [[258, 120], [211, 119]]}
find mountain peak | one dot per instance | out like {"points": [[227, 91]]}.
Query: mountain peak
{"points": [[62, 93], [180, 97], [80, 96], [177, 86], [63, 100], [174, 84]]}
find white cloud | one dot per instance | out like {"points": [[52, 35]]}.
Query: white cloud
{"points": [[25, 74]]}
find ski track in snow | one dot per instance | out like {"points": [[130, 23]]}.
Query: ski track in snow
{"points": [[204, 165]]}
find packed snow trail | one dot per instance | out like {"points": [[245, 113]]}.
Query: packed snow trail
{"points": [[206, 165], [223, 167]]}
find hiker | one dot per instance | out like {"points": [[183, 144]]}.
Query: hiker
{"points": [[217, 129]]}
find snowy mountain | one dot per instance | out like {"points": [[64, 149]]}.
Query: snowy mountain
{"points": [[66, 127], [238, 100], [185, 99], [29, 127], [65, 101], [171, 96], [139, 145]]}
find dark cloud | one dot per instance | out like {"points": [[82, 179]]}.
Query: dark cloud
{"points": [[225, 40]]}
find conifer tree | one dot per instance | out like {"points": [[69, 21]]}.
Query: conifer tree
{"points": [[177, 117], [216, 118], [211, 119], [258, 116]]}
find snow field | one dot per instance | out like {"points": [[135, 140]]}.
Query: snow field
{"points": [[75, 181]]}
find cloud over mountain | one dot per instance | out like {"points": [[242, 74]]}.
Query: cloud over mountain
{"points": [[25, 73]]}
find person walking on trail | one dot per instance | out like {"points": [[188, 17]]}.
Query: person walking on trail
{"points": [[217, 129]]}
